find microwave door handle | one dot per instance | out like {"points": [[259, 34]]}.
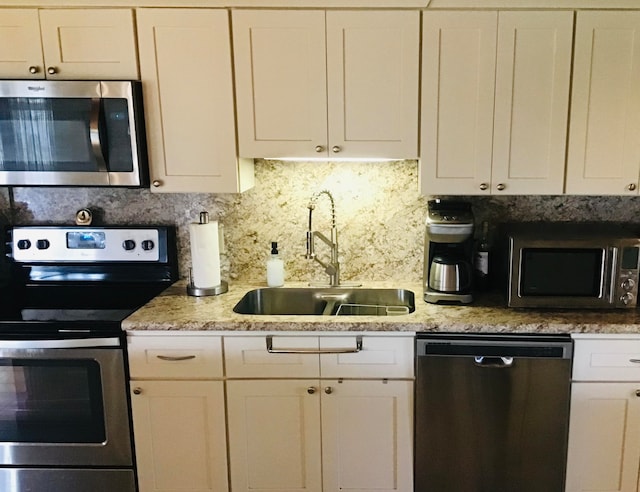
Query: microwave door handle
{"points": [[94, 134], [613, 264]]}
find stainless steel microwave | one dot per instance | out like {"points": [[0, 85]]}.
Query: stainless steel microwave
{"points": [[72, 133], [573, 266]]}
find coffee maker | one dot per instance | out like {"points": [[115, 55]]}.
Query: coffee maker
{"points": [[448, 249]]}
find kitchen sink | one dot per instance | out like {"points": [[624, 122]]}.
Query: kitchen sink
{"points": [[327, 302]]}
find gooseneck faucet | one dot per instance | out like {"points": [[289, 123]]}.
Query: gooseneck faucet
{"points": [[332, 267]]}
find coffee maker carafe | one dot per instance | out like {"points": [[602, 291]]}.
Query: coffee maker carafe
{"points": [[448, 248]]}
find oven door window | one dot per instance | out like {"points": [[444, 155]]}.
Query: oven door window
{"points": [[565, 272], [49, 400]]}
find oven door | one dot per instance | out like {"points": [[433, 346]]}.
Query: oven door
{"points": [[64, 403]]}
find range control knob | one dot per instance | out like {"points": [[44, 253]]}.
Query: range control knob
{"points": [[626, 298], [628, 284], [43, 244], [128, 244], [147, 245], [24, 244]]}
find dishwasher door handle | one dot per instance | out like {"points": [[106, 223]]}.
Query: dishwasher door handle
{"points": [[499, 362]]}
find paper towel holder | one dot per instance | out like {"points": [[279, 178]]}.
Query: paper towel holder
{"points": [[192, 290]]}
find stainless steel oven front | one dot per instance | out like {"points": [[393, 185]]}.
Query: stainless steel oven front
{"points": [[64, 415]]}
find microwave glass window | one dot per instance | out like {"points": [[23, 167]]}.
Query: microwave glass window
{"points": [[51, 401], [42, 134], [562, 272]]}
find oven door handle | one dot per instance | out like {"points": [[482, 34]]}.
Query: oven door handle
{"points": [[68, 343]]}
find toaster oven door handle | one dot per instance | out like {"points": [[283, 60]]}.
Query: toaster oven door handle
{"points": [[94, 135]]}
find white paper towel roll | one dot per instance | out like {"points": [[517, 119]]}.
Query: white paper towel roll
{"points": [[205, 255]]}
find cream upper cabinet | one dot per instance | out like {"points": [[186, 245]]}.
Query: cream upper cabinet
{"points": [[604, 143], [68, 44], [185, 65], [495, 92], [318, 84]]}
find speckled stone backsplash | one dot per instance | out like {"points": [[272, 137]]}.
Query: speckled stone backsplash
{"points": [[379, 210]]}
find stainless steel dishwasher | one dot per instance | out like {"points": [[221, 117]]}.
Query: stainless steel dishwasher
{"points": [[492, 412]]}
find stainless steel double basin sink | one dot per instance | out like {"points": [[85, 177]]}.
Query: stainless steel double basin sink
{"points": [[327, 302]]}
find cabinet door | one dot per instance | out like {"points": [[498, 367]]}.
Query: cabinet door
{"points": [[83, 43], [372, 79], [20, 46], [179, 432], [185, 62], [604, 148], [280, 69], [274, 435], [531, 102], [604, 437], [367, 436], [458, 80]]}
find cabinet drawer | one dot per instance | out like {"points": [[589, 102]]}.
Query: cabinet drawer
{"points": [[380, 357], [175, 357], [607, 359], [377, 357], [247, 357]]}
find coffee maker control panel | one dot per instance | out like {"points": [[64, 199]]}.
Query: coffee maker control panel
{"points": [[449, 221]]}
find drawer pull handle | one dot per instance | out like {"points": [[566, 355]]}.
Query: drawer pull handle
{"points": [[175, 358], [637, 392], [337, 350], [634, 361]]}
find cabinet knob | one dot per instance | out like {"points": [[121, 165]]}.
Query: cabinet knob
{"points": [[156, 183], [311, 390], [484, 186], [34, 69], [328, 390], [631, 187], [335, 149], [637, 392], [137, 391], [52, 70], [319, 148], [500, 186]]}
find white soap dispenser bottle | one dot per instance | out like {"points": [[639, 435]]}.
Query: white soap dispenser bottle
{"points": [[275, 267]]}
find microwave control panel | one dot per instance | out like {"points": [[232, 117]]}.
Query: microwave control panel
{"points": [[626, 281]]}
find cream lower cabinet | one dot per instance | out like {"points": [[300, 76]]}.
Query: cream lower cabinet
{"points": [[495, 95], [604, 149], [312, 433], [68, 44], [314, 83], [177, 400], [185, 66], [604, 430]]}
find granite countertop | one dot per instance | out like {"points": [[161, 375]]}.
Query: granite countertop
{"points": [[175, 310]]}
